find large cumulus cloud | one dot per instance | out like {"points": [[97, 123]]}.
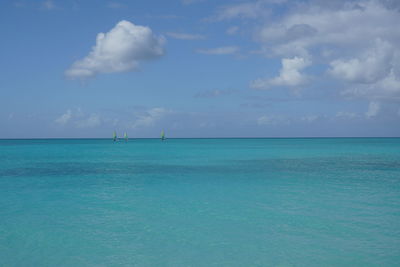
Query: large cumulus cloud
{"points": [[119, 50]]}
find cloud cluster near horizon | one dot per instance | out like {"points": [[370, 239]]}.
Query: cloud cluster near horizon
{"points": [[357, 41], [149, 117], [79, 119], [119, 50]]}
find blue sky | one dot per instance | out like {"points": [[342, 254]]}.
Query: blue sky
{"points": [[199, 68]]}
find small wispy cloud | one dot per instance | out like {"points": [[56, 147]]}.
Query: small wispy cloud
{"points": [[77, 118], [49, 5], [244, 10], [115, 5], [150, 117], [19, 4], [185, 36], [224, 50], [232, 30], [167, 16], [215, 93], [272, 120], [346, 115], [373, 109], [64, 118], [310, 118], [281, 119], [92, 121], [189, 2]]}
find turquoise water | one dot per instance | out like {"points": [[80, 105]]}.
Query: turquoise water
{"points": [[200, 202]]}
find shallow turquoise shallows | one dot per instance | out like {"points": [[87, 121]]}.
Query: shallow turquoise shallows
{"points": [[200, 202]]}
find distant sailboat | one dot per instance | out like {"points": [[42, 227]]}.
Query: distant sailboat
{"points": [[162, 135], [126, 137], [114, 136]]}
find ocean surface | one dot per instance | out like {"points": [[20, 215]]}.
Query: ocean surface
{"points": [[200, 202]]}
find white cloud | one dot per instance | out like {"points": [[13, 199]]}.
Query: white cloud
{"points": [[48, 4], [232, 30], [115, 5], [386, 89], [289, 75], [245, 10], [215, 93], [79, 119], [92, 121], [121, 49], [150, 117], [19, 4], [358, 41], [185, 36], [265, 120], [272, 120], [346, 115], [206, 124], [373, 109], [347, 29], [372, 66], [64, 118], [309, 118], [374, 75], [225, 50], [281, 120], [189, 2], [166, 16]]}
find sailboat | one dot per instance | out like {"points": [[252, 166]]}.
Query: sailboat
{"points": [[126, 137], [162, 135], [114, 136]]}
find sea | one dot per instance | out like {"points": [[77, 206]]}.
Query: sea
{"points": [[200, 202]]}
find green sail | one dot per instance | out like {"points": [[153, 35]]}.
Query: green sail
{"points": [[126, 137], [114, 136], [162, 135]]}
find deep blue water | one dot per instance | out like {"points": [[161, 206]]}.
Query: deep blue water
{"points": [[200, 202]]}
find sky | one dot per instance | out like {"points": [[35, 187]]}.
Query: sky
{"points": [[199, 68]]}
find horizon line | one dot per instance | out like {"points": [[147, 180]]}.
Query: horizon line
{"points": [[106, 138]]}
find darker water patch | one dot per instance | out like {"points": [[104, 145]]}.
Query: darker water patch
{"points": [[229, 167]]}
